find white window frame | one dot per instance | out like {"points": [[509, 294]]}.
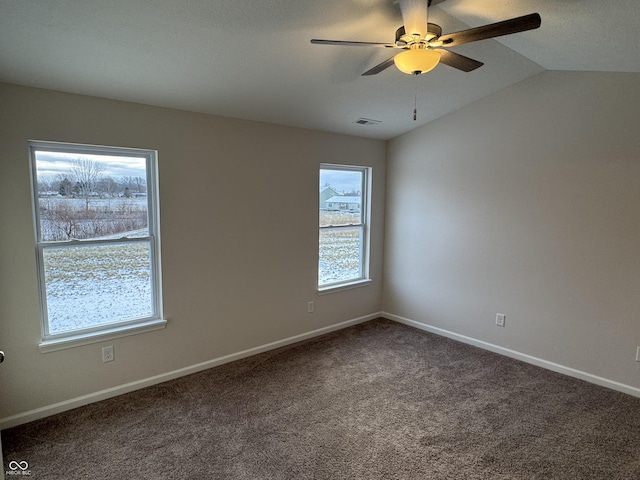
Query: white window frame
{"points": [[364, 226], [57, 341]]}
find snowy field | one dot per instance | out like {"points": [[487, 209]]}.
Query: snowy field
{"points": [[339, 255], [109, 283]]}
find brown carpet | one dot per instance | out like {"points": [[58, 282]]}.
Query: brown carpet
{"points": [[376, 401]]}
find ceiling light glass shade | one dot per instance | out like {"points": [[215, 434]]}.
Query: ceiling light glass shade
{"points": [[416, 61]]}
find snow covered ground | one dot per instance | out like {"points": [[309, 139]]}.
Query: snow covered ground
{"points": [[339, 257], [105, 283], [97, 304]]}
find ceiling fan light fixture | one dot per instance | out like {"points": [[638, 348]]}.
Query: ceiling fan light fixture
{"points": [[417, 60]]}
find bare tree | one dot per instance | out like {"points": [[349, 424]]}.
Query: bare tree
{"points": [[141, 184], [108, 187], [126, 183], [45, 183], [87, 174], [134, 184]]}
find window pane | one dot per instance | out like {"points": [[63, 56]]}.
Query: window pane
{"points": [[90, 285], [340, 197], [87, 196], [340, 255]]}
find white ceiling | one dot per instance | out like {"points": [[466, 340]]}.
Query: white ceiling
{"points": [[252, 59]]}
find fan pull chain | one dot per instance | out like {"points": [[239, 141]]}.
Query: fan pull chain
{"points": [[415, 98]]}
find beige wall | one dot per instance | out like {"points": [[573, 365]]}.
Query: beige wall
{"points": [[238, 204], [526, 203]]}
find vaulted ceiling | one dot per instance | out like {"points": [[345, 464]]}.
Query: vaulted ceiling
{"points": [[253, 60]]}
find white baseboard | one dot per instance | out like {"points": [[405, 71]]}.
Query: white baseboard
{"points": [[59, 407], [603, 382]]}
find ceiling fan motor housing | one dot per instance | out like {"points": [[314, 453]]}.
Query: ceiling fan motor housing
{"points": [[403, 39]]}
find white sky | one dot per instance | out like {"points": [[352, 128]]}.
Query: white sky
{"points": [[51, 164], [341, 180]]}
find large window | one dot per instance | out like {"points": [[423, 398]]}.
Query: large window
{"points": [[97, 237], [343, 252]]}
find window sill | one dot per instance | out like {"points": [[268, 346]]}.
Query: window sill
{"points": [[343, 286], [47, 346]]}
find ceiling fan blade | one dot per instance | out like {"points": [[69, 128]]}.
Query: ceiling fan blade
{"points": [[378, 68], [344, 43], [506, 27], [458, 61], [414, 16]]}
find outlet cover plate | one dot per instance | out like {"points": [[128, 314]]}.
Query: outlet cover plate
{"points": [[500, 319], [107, 354]]}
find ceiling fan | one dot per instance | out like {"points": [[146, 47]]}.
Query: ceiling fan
{"points": [[424, 46]]}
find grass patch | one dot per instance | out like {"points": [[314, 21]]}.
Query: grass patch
{"points": [[97, 262]]}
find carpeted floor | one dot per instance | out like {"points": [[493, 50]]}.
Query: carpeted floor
{"points": [[376, 401]]}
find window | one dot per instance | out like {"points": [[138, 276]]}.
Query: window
{"points": [[343, 246], [97, 238]]}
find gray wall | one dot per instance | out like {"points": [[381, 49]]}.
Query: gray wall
{"points": [[527, 203], [236, 275]]}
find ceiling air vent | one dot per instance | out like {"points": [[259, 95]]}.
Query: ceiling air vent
{"points": [[367, 121]]}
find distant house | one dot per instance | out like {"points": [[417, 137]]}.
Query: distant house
{"points": [[325, 194], [343, 202]]}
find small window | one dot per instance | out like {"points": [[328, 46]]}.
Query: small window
{"points": [[97, 237], [343, 245]]}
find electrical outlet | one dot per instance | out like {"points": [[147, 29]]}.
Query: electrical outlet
{"points": [[107, 354], [638, 355], [500, 319], [310, 307]]}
